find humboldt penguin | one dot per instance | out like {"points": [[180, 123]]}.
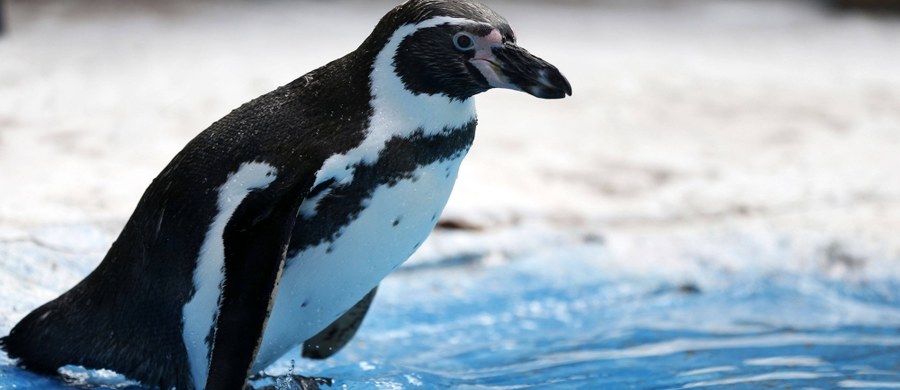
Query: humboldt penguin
{"points": [[274, 226]]}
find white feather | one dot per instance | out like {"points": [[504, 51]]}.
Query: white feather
{"points": [[201, 311], [322, 282], [396, 110]]}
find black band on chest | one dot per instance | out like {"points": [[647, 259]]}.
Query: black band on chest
{"points": [[398, 161]]}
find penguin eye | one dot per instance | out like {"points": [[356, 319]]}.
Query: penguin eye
{"points": [[464, 41]]}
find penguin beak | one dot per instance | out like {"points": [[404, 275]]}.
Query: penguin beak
{"points": [[509, 66]]}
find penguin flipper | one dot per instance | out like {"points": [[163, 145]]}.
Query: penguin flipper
{"points": [[256, 240], [331, 339]]}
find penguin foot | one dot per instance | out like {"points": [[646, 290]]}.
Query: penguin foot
{"points": [[291, 382]]}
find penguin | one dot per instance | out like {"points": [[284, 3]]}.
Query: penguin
{"points": [[273, 227]]}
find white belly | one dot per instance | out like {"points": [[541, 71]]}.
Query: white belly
{"points": [[322, 282]]}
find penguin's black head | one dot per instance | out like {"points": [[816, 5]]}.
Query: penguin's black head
{"points": [[459, 49]]}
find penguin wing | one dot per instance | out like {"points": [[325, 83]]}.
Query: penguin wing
{"points": [[331, 339], [256, 240]]}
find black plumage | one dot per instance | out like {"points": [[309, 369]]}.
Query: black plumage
{"points": [[127, 314]]}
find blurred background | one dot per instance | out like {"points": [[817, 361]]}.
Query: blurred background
{"points": [[717, 204]]}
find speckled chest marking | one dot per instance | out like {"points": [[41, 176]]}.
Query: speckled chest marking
{"points": [[323, 281], [371, 207]]}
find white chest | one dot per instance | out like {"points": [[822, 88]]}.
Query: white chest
{"points": [[320, 283]]}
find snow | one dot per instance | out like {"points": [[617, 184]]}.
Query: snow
{"points": [[725, 174]]}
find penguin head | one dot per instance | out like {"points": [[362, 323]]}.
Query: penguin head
{"points": [[461, 48]]}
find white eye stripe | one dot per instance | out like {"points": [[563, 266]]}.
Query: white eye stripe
{"points": [[464, 41]]}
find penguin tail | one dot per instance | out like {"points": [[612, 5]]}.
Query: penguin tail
{"points": [[3, 344], [8, 345], [33, 343]]}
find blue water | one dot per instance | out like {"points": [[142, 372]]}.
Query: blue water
{"points": [[558, 320]]}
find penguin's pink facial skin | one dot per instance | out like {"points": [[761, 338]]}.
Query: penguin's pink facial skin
{"points": [[505, 65], [485, 60]]}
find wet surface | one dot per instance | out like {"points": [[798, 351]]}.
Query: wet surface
{"points": [[555, 319], [544, 322], [724, 179]]}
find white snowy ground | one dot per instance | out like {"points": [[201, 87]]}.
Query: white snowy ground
{"points": [[746, 136]]}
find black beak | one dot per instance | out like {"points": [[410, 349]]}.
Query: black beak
{"points": [[513, 67]]}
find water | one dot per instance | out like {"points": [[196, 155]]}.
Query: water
{"points": [[559, 320], [526, 329]]}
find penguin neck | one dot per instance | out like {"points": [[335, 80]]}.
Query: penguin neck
{"points": [[399, 110], [396, 112], [396, 106]]}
